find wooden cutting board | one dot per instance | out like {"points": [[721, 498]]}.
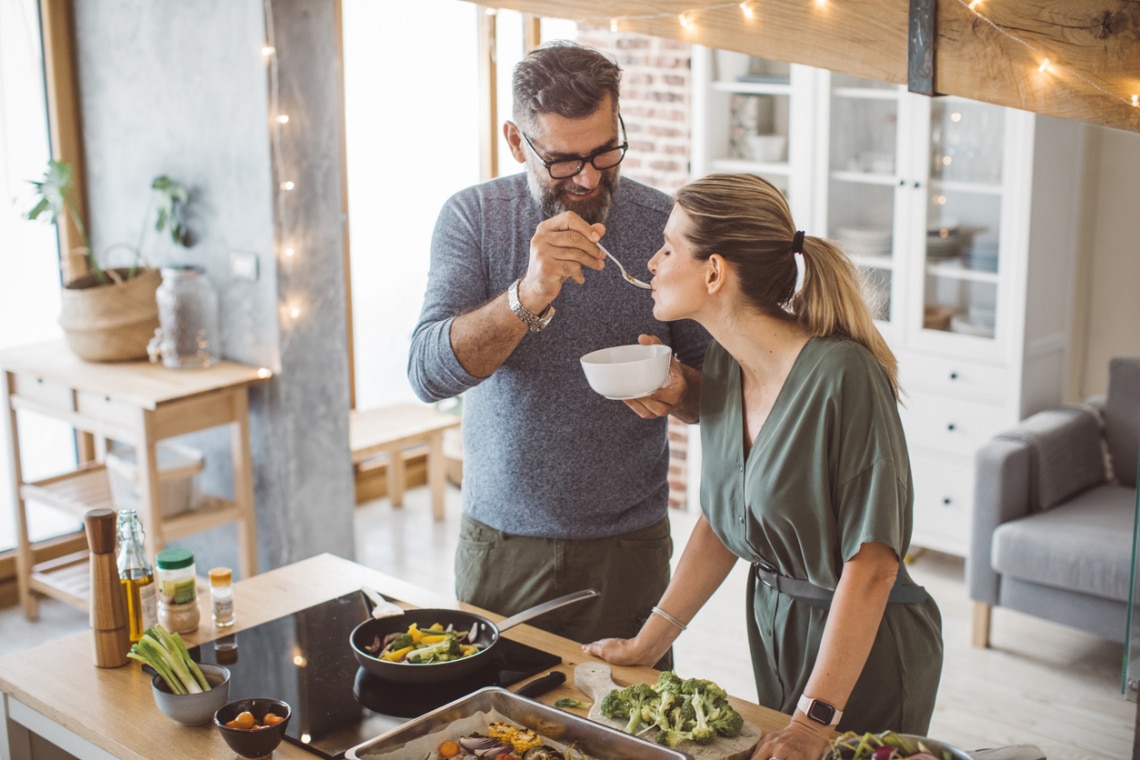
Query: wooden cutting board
{"points": [[595, 680]]}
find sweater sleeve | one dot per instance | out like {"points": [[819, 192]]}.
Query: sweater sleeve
{"points": [[457, 284]]}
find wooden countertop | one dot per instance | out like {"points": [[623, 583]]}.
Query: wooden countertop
{"points": [[113, 709]]}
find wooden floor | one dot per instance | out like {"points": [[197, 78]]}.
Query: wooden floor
{"points": [[1041, 684]]}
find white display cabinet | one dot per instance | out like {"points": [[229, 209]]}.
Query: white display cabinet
{"points": [[963, 215]]}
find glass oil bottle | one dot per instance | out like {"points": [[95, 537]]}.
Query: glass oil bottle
{"points": [[136, 574]]}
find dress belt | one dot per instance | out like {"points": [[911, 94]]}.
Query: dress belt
{"points": [[818, 596]]}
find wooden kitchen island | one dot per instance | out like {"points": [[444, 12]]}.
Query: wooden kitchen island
{"points": [[56, 691]]}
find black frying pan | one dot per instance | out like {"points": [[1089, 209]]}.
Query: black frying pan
{"points": [[482, 632]]}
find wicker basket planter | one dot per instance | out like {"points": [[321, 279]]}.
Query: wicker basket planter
{"points": [[114, 321]]}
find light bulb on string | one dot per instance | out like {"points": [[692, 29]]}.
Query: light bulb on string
{"points": [[268, 51], [1136, 101], [288, 185], [748, 10], [289, 252], [685, 20], [1045, 65], [974, 4], [282, 119], [295, 311], [613, 24]]}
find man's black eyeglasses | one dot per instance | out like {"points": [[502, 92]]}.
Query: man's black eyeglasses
{"points": [[565, 168]]}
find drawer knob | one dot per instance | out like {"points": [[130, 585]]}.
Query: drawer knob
{"points": [[946, 501], [953, 375], [951, 427]]}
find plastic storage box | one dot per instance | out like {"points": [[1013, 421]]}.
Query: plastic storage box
{"points": [[178, 468]]}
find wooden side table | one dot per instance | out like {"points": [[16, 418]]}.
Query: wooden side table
{"points": [[392, 430], [136, 403]]}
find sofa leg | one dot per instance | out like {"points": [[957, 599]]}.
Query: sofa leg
{"points": [[980, 636]]}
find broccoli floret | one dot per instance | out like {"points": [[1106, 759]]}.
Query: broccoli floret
{"points": [[570, 702], [633, 703], [401, 641], [728, 723], [667, 681], [672, 738], [703, 686]]}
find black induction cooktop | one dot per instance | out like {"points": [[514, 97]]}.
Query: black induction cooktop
{"points": [[305, 659]]}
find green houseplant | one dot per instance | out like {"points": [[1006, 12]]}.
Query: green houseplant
{"points": [[110, 314]]}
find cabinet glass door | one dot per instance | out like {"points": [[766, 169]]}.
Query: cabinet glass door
{"points": [[864, 158], [964, 211]]}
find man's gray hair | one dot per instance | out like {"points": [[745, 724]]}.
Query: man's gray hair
{"points": [[563, 78]]}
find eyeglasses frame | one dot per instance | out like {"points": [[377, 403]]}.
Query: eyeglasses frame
{"points": [[582, 160]]}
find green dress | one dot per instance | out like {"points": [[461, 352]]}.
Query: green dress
{"points": [[828, 471]]}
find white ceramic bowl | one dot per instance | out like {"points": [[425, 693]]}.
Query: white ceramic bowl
{"points": [[622, 372], [194, 709], [767, 148]]}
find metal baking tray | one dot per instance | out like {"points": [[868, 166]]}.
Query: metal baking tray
{"points": [[558, 726]]}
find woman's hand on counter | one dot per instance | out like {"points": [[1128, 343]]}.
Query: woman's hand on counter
{"points": [[796, 741]]}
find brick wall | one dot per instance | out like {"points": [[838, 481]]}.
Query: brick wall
{"points": [[655, 107]]}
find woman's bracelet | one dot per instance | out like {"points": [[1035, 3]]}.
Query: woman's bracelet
{"points": [[668, 618]]}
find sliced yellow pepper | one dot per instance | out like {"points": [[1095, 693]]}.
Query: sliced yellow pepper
{"points": [[432, 639], [416, 634], [396, 654]]}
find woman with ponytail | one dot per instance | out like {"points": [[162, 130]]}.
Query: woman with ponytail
{"points": [[805, 474]]}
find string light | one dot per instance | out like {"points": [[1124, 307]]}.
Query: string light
{"points": [[748, 10], [294, 311], [268, 51], [1136, 101], [1044, 65], [283, 119], [613, 24], [685, 19], [974, 4], [288, 185], [289, 252]]}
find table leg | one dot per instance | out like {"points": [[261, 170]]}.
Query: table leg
{"points": [[243, 484], [397, 480], [436, 476], [16, 478], [15, 740]]}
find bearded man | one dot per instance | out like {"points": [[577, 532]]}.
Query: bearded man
{"points": [[562, 488]]}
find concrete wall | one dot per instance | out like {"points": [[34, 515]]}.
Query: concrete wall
{"points": [[183, 89]]}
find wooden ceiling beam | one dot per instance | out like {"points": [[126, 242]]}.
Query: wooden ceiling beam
{"points": [[992, 55]]}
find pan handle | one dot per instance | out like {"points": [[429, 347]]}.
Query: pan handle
{"points": [[542, 609]]}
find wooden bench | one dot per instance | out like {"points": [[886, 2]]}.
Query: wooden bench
{"points": [[394, 429]]}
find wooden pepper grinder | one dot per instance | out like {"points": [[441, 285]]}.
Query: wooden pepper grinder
{"points": [[109, 623]]}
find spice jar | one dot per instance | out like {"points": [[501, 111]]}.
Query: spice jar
{"points": [[222, 596], [189, 336], [177, 590]]}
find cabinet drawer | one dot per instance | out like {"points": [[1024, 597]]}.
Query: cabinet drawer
{"points": [[42, 392], [952, 377], [950, 425], [95, 406], [943, 493]]}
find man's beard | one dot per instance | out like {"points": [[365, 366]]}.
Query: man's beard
{"points": [[556, 198]]}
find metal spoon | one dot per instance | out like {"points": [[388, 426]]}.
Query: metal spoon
{"points": [[628, 277]]}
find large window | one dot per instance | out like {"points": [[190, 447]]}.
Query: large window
{"points": [[29, 287], [412, 121]]}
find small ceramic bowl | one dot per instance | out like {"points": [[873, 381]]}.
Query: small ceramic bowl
{"points": [[632, 371], [253, 742], [194, 709]]}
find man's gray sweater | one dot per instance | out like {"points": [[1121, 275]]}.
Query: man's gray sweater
{"points": [[543, 454]]}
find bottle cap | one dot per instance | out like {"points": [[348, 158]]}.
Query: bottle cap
{"points": [[174, 559], [221, 576]]}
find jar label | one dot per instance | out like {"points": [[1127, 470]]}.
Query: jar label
{"points": [[179, 592], [148, 606]]}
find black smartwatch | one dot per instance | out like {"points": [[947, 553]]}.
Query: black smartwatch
{"points": [[819, 711]]}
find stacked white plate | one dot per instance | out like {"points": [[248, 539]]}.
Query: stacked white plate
{"points": [[864, 241]]}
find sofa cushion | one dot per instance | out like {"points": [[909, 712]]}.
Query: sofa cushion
{"points": [[1122, 418], [1065, 454], [1084, 545]]}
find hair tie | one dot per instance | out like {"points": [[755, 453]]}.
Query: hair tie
{"points": [[798, 242]]}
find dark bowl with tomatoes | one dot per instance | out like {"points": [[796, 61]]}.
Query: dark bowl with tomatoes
{"points": [[269, 718]]}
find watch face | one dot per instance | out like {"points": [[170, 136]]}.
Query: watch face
{"points": [[821, 712]]}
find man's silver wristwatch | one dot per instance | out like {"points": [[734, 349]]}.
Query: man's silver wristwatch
{"points": [[536, 322]]}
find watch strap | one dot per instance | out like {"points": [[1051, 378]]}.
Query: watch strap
{"points": [[534, 322], [819, 711]]}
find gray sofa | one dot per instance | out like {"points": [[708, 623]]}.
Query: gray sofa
{"points": [[1054, 512]]}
